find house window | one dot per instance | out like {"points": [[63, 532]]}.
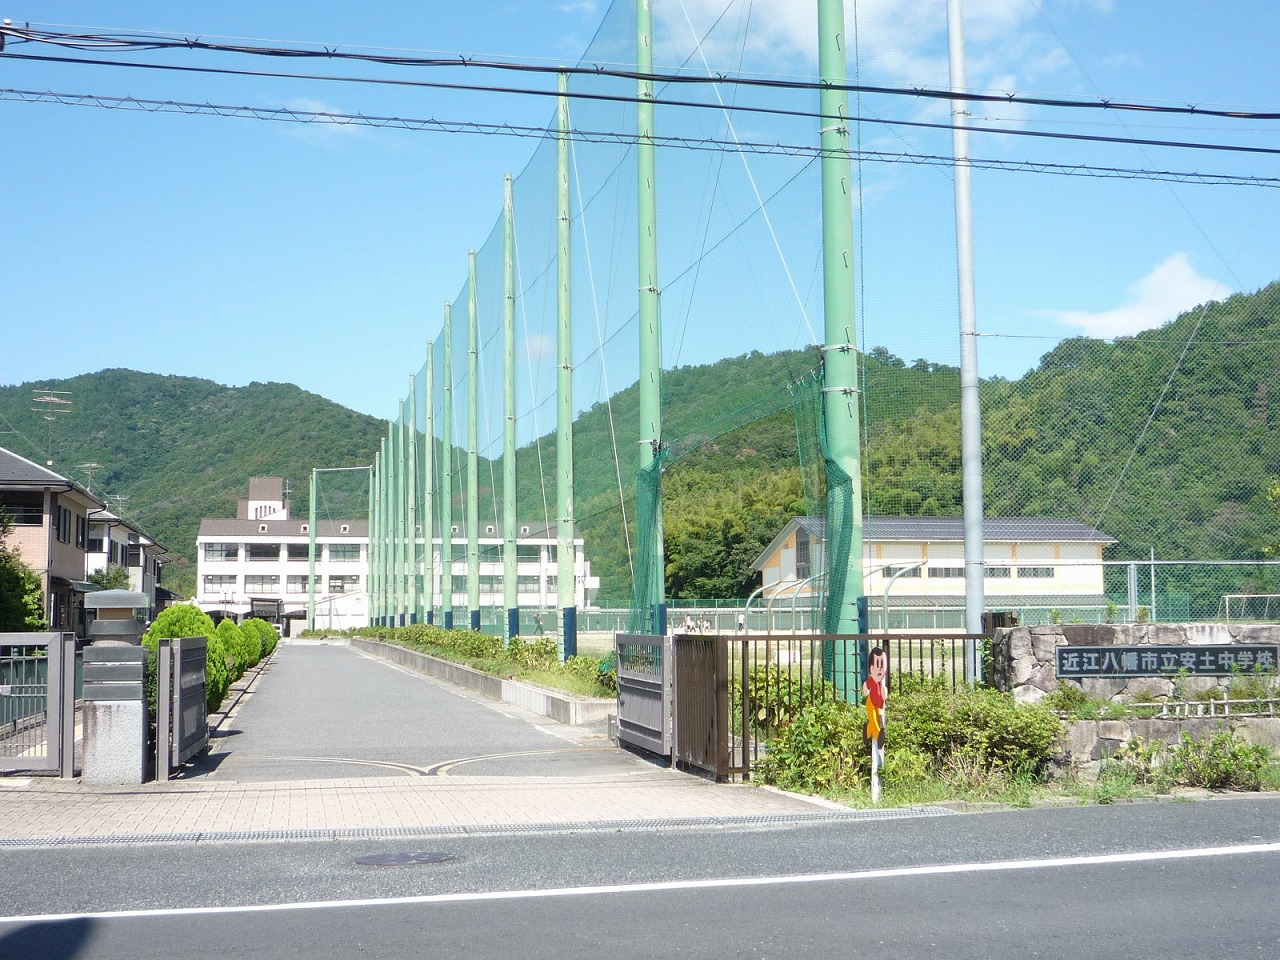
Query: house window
{"points": [[344, 552], [262, 551], [946, 573], [261, 583], [346, 583], [1035, 573], [999, 573], [221, 551], [95, 545], [64, 525], [217, 582], [299, 551], [527, 584], [24, 509], [528, 552], [82, 532], [802, 557], [490, 553], [888, 572], [298, 584]]}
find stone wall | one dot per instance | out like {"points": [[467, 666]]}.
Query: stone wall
{"points": [[1024, 659], [1089, 742]]}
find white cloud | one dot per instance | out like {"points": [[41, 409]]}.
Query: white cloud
{"points": [[1170, 289], [321, 129], [540, 346]]}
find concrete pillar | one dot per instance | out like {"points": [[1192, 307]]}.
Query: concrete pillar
{"points": [[115, 714]]}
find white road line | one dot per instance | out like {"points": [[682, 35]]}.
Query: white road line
{"points": [[673, 885]]}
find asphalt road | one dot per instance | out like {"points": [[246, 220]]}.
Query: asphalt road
{"points": [[1135, 881], [325, 711]]}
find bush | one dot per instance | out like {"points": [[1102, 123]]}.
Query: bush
{"points": [[268, 637], [821, 751], [1218, 762], [980, 730], [188, 620], [228, 635], [775, 697]]}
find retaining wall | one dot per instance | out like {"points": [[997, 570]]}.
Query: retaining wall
{"points": [[562, 707]]}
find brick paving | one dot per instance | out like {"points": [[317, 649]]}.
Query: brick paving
{"points": [[627, 791]]}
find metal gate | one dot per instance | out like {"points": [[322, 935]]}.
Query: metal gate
{"points": [[644, 691], [182, 725], [37, 702]]}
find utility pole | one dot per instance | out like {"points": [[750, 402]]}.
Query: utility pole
{"points": [[840, 358], [446, 478], [565, 585], [510, 579], [473, 446]]}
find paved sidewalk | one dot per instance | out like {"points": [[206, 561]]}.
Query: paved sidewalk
{"points": [[619, 791]]}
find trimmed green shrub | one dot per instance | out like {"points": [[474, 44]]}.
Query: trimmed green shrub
{"points": [[188, 620], [232, 639], [266, 633]]}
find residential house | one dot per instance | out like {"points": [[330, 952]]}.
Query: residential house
{"points": [[50, 516]]}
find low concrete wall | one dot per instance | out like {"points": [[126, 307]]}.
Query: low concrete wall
{"points": [[562, 707], [1024, 659], [1089, 742]]}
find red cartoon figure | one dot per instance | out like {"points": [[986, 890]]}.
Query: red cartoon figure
{"points": [[876, 690]]}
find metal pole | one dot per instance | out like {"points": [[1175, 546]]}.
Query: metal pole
{"points": [[428, 499], [411, 525], [384, 535], [446, 478], [650, 385], [840, 399], [311, 556], [370, 548], [970, 405], [473, 446], [401, 554], [1152, 616], [565, 584], [510, 579]]}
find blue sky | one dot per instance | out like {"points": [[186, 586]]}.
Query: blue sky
{"points": [[240, 250]]}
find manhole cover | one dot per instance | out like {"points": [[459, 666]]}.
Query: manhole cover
{"points": [[402, 859]]}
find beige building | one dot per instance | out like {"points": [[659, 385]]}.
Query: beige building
{"points": [[50, 516], [1033, 566]]}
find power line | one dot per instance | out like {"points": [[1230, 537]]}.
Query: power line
{"points": [[660, 101], [156, 42], [289, 115]]}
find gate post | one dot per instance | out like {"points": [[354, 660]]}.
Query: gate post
{"points": [[115, 714]]}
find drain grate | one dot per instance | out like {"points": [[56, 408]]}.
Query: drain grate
{"points": [[402, 859]]}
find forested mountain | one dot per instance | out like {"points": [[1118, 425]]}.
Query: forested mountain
{"points": [[1168, 441], [182, 448]]}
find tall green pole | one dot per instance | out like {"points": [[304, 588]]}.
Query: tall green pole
{"points": [[510, 580], [384, 509], [565, 593], [415, 562], [399, 501], [473, 446], [840, 400], [428, 497], [650, 320], [311, 555], [446, 477], [370, 548]]}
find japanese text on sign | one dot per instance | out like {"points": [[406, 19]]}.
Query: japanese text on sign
{"points": [[1144, 661]]}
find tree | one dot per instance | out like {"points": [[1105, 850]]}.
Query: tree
{"points": [[114, 577], [21, 606]]}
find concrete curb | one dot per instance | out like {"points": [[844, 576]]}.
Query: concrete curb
{"points": [[561, 707]]}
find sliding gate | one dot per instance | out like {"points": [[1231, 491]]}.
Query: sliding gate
{"points": [[37, 702]]}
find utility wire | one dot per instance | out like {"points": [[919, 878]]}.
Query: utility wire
{"points": [[662, 101], [146, 43], [605, 136]]}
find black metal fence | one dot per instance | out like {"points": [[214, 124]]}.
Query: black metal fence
{"points": [[733, 692]]}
